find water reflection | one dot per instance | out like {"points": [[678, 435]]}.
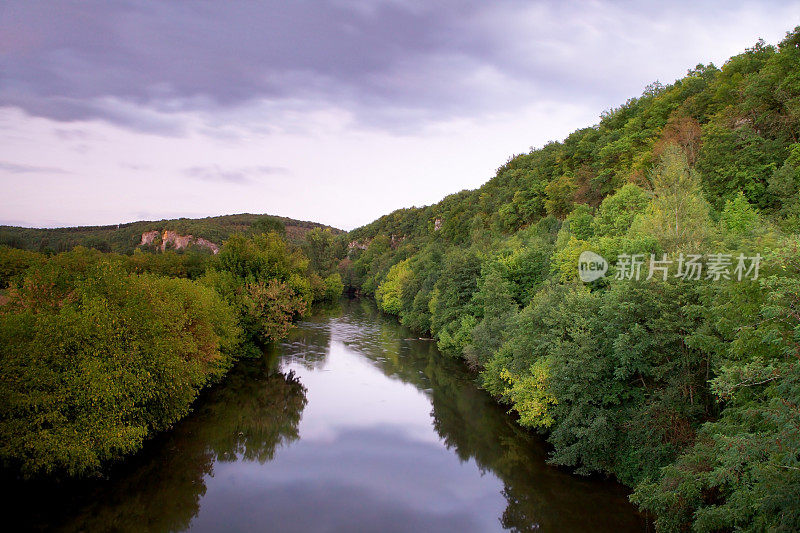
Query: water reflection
{"points": [[351, 424], [247, 418], [473, 427]]}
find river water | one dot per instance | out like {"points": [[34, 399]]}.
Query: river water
{"points": [[351, 424]]}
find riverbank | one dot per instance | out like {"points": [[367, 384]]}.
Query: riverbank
{"points": [[350, 417], [100, 352]]}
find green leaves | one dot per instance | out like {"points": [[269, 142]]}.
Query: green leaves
{"points": [[559, 196], [94, 360], [390, 291], [678, 215], [267, 282], [616, 213], [743, 470], [685, 390], [529, 394]]}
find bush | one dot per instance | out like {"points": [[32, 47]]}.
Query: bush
{"points": [[95, 360], [265, 281], [333, 287], [14, 262]]}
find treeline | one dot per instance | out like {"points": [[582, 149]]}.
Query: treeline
{"points": [[125, 238], [99, 351], [682, 381]]}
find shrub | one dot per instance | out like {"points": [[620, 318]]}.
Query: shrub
{"points": [[95, 360]]}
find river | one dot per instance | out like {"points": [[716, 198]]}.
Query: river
{"points": [[351, 424]]}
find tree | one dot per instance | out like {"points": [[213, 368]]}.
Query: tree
{"points": [[743, 470], [739, 218], [452, 310], [581, 222], [266, 281], [324, 250], [94, 360], [678, 215], [617, 212], [559, 196], [390, 291], [495, 300], [268, 224]]}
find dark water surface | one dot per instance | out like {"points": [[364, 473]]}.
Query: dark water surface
{"points": [[351, 424]]}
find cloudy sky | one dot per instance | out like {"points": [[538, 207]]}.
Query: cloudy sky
{"points": [[336, 112]]}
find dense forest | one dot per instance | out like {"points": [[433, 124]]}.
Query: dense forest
{"points": [[99, 351], [676, 372]]}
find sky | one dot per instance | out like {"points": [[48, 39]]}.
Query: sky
{"points": [[331, 111]]}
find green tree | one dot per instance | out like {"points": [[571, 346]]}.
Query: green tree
{"points": [[743, 471], [739, 218], [559, 196], [617, 212], [581, 222], [267, 224], [266, 281], [390, 291], [495, 301], [678, 215], [324, 250], [94, 360]]}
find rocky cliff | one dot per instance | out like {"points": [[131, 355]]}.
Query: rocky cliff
{"points": [[176, 241]]}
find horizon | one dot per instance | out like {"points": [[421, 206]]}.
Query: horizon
{"points": [[3, 224]]}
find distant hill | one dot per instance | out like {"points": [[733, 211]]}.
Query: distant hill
{"points": [[124, 238]]}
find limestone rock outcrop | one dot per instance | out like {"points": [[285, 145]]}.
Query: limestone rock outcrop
{"points": [[176, 241], [148, 237]]}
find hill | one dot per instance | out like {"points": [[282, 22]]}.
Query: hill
{"points": [[124, 238], [680, 380]]}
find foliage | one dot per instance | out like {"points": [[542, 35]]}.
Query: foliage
{"points": [[95, 360], [529, 395], [559, 196], [268, 224], [390, 291], [14, 262], [580, 222], [99, 351], [678, 216], [617, 212], [496, 307], [191, 264], [333, 287], [265, 281], [743, 471], [324, 250], [684, 390], [739, 218]]}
